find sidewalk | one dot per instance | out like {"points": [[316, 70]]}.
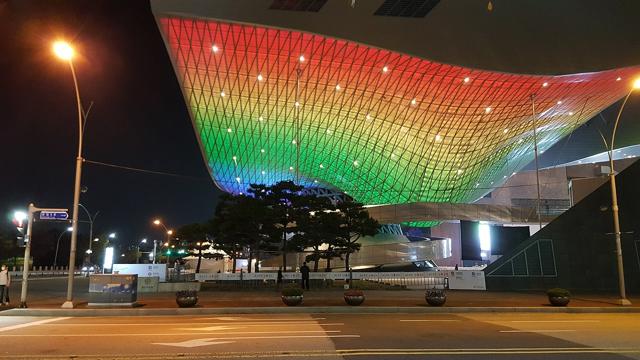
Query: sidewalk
{"points": [[326, 300]]}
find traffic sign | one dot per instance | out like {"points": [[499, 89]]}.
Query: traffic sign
{"points": [[54, 215]]}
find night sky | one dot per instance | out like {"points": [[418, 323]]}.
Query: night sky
{"points": [[139, 118]]}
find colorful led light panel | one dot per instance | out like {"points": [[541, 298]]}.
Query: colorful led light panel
{"points": [[384, 127]]}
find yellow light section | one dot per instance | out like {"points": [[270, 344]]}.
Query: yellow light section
{"points": [[63, 50]]}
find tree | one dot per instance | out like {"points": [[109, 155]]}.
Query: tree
{"points": [[284, 203], [356, 223], [314, 228], [195, 238]]}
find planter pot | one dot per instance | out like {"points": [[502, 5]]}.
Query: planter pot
{"points": [[354, 300], [292, 300], [559, 300], [435, 298], [186, 301]]}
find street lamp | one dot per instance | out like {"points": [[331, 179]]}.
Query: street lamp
{"points": [[169, 232], [614, 201], [65, 52], [143, 241], [55, 258], [91, 220]]}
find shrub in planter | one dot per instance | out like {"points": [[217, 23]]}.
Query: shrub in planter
{"points": [[559, 297], [292, 296], [435, 297], [354, 297], [186, 298]]}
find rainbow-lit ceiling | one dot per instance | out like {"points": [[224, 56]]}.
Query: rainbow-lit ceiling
{"points": [[385, 127]]}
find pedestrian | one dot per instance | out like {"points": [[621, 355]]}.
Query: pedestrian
{"points": [[304, 270], [456, 267], [279, 278], [5, 282]]}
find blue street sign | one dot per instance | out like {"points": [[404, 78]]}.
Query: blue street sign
{"points": [[54, 215]]}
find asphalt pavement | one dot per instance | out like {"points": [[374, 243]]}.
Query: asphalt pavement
{"points": [[324, 336]]}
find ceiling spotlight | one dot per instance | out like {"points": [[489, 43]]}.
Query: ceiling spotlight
{"points": [[618, 78], [438, 138], [487, 109], [385, 69], [467, 79], [338, 87], [414, 102], [559, 102], [301, 58], [545, 84], [229, 130], [260, 78], [215, 49]]}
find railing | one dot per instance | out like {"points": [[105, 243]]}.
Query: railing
{"points": [[448, 279], [409, 280]]}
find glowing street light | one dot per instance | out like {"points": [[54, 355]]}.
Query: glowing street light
{"points": [[614, 201], [65, 52], [112, 236]]}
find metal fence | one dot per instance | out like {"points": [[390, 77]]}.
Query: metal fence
{"points": [[374, 280]]}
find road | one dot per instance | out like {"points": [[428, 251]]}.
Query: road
{"points": [[326, 336]]}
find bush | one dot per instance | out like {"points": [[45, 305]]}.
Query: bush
{"points": [[558, 292], [293, 291], [186, 293], [353, 292]]}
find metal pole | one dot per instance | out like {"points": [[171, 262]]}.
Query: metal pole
{"points": [[55, 258], [76, 197], [27, 254], [614, 206], [154, 250], [535, 151]]}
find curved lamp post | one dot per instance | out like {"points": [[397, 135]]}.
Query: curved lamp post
{"points": [[65, 52], [169, 232], [614, 202]]}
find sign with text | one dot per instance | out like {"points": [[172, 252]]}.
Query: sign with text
{"points": [[54, 215], [143, 270]]}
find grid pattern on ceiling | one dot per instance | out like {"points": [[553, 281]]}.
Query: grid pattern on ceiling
{"points": [[271, 105], [298, 5], [406, 8]]}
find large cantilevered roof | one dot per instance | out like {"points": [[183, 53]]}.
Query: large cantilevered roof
{"points": [[271, 104]]}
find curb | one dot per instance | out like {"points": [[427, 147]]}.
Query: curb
{"points": [[312, 310]]}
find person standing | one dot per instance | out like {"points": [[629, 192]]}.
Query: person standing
{"points": [[304, 270], [5, 282]]}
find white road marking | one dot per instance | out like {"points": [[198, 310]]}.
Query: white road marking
{"points": [[197, 323], [33, 323], [554, 321], [429, 320], [195, 343], [170, 334], [534, 331], [213, 328], [212, 341], [230, 318]]}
